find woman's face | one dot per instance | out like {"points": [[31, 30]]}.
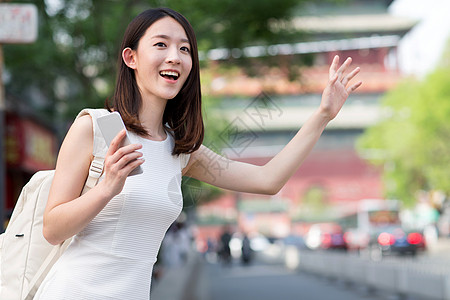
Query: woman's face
{"points": [[162, 60]]}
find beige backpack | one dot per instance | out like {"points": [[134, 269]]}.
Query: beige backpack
{"points": [[25, 256]]}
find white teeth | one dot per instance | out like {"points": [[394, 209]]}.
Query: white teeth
{"points": [[169, 73]]}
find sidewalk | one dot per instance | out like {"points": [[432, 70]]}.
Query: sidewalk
{"points": [[182, 283], [440, 248]]}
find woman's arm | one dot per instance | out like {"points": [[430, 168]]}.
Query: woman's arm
{"points": [[211, 168], [67, 213]]}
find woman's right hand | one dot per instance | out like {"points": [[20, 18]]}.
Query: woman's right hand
{"points": [[119, 162]]}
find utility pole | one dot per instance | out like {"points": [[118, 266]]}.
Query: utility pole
{"points": [[18, 25], [2, 146]]}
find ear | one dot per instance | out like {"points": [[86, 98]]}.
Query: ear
{"points": [[129, 57]]}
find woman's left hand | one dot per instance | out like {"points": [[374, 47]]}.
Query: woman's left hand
{"points": [[336, 92]]}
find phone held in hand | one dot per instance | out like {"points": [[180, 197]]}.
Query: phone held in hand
{"points": [[110, 125]]}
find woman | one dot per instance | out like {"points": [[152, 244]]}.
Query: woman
{"points": [[120, 223]]}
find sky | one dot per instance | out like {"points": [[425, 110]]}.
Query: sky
{"points": [[422, 48]]}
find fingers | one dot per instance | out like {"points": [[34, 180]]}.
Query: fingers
{"points": [[337, 74], [344, 67], [118, 157], [123, 161], [354, 87], [333, 67], [133, 164], [125, 153], [333, 79], [116, 142], [350, 76], [129, 161]]}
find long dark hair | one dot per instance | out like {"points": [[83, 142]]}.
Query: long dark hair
{"points": [[183, 114]]}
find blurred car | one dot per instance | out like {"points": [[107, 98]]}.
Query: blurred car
{"points": [[325, 236], [356, 239], [395, 240], [294, 240]]}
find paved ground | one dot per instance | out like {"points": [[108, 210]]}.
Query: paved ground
{"points": [[272, 282], [269, 280]]}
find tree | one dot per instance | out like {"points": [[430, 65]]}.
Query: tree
{"points": [[234, 24], [414, 136], [72, 64]]}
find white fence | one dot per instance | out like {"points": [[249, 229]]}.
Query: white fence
{"points": [[430, 280]]}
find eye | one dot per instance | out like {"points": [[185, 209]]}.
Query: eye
{"points": [[160, 44], [185, 49]]}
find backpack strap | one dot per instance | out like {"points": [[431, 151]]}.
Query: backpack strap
{"points": [[99, 148], [46, 265]]}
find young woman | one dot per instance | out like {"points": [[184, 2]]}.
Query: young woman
{"points": [[120, 223]]}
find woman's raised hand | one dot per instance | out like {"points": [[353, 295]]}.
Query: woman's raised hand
{"points": [[336, 92], [119, 162]]}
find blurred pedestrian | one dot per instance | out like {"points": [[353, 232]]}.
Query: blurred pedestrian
{"points": [[210, 245], [246, 250], [120, 223], [185, 238], [224, 249]]}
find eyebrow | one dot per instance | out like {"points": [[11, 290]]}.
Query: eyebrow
{"points": [[163, 36]]}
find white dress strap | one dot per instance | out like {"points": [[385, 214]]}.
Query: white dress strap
{"points": [[184, 160]]}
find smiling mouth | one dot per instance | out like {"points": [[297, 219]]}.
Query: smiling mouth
{"points": [[171, 75]]}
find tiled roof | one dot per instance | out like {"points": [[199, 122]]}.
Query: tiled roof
{"points": [[350, 23], [312, 80]]}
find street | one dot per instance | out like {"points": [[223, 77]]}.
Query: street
{"points": [[204, 278], [269, 281]]}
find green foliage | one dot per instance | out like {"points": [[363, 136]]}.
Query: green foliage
{"points": [[231, 23], [413, 138], [315, 200], [72, 65]]}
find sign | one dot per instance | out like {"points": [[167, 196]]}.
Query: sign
{"points": [[29, 145], [18, 23], [40, 147]]}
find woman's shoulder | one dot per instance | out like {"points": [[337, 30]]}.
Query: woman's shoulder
{"points": [[83, 122], [80, 132], [75, 154], [82, 126]]}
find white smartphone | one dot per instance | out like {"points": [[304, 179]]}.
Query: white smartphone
{"points": [[110, 125]]}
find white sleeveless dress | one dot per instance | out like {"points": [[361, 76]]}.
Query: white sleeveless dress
{"points": [[113, 257]]}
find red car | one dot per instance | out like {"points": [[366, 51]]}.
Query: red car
{"points": [[325, 236], [395, 240]]}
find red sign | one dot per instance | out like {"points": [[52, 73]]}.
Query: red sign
{"points": [[18, 23], [13, 141], [39, 147], [29, 145]]}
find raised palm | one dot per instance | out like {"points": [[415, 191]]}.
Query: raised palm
{"points": [[336, 92]]}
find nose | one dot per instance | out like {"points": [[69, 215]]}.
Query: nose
{"points": [[173, 56]]}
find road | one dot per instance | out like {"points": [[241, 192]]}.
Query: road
{"points": [[267, 278], [269, 281]]}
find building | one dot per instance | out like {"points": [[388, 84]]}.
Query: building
{"points": [[271, 108], [30, 146]]}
